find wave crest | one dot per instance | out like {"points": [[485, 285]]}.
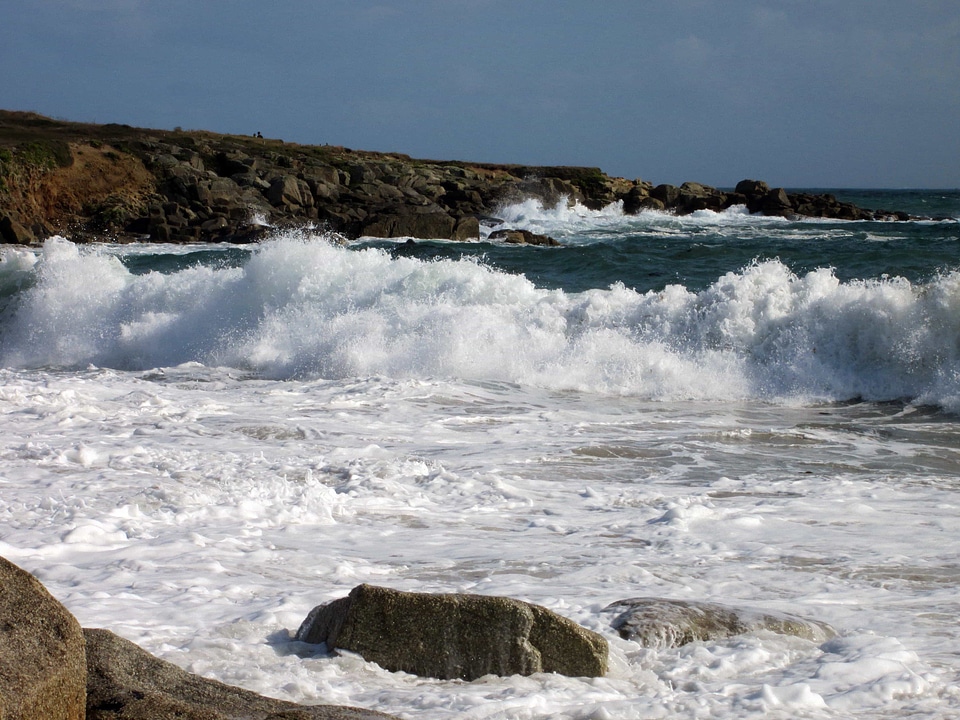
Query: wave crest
{"points": [[305, 307]]}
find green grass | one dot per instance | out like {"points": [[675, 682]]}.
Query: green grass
{"points": [[45, 154]]}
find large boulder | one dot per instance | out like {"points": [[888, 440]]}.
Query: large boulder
{"points": [[454, 635], [667, 194], [774, 202], [695, 196], [43, 674], [658, 622], [752, 188], [634, 199], [467, 228], [127, 683], [423, 222], [284, 191], [219, 191]]}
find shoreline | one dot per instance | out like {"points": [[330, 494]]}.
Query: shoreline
{"points": [[85, 180]]}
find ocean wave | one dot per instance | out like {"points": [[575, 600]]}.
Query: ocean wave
{"points": [[303, 307], [577, 223]]}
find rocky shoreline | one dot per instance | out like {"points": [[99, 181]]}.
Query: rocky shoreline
{"points": [[86, 182], [52, 669]]}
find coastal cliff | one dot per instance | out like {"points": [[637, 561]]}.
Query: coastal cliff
{"points": [[87, 181]]}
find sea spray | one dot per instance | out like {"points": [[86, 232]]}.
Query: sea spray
{"points": [[303, 307], [645, 417]]}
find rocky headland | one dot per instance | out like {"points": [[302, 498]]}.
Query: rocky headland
{"points": [[87, 181]]}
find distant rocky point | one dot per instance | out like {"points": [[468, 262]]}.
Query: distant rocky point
{"points": [[87, 181]]}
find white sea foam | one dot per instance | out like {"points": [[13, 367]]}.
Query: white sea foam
{"points": [[307, 308], [578, 224], [195, 459], [203, 514]]}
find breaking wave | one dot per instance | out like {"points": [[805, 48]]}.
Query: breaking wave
{"points": [[303, 307]]}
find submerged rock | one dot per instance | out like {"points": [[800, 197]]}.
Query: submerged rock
{"points": [[658, 622], [522, 237], [42, 667], [127, 683], [454, 635]]}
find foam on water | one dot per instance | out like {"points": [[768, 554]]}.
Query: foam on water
{"points": [[577, 224], [307, 308], [195, 457], [202, 514]]}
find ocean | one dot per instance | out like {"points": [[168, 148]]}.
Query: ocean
{"points": [[201, 443]]}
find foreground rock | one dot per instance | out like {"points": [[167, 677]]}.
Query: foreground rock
{"points": [[90, 181], [127, 683], [657, 622], [42, 666], [454, 636]]}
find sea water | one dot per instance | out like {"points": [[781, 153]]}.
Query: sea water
{"points": [[201, 443]]}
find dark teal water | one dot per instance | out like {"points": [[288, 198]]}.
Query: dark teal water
{"points": [[649, 252]]}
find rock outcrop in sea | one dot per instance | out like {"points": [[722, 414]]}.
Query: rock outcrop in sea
{"points": [[454, 636], [659, 622], [87, 181]]}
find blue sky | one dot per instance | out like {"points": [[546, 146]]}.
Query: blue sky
{"points": [[840, 93]]}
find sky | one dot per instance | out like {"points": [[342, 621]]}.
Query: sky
{"points": [[800, 93]]}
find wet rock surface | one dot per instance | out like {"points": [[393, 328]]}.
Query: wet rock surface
{"points": [[127, 683], [450, 636], [659, 622]]}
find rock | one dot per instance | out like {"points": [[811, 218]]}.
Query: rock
{"points": [[124, 682], [467, 228], [752, 188], [214, 224], [633, 201], [361, 174], [848, 211], [667, 194], [454, 636], [522, 237], [735, 198], [694, 196], [234, 163], [12, 231], [774, 202], [126, 170], [160, 232], [425, 223], [250, 180], [42, 666], [651, 203], [285, 191], [321, 174], [551, 191], [658, 622]]}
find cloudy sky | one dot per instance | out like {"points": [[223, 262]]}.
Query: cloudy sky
{"points": [[838, 93]]}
